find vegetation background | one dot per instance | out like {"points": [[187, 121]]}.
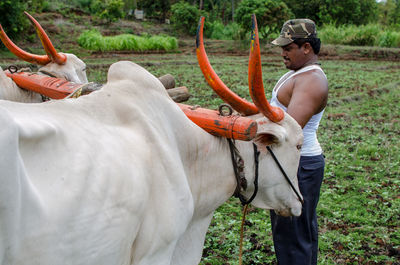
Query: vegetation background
{"points": [[360, 201]]}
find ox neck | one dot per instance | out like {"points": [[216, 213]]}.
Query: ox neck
{"points": [[238, 169], [214, 172]]}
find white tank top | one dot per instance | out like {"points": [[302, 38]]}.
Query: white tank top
{"points": [[311, 146]]}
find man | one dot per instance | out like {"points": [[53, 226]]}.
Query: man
{"points": [[303, 93]]}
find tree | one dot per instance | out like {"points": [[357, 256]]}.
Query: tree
{"points": [[110, 10], [389, 12], [184, 17], [305, 9], [155, 8], [357, 12], [271, 14], [12, 17]]}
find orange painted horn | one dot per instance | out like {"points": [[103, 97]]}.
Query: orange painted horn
{"points": [[26, 56], [239, 104], [46, 42], [52, 54], [256, 86]]}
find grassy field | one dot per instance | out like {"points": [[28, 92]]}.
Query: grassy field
{"points": [[359, 207], [360, 201]]}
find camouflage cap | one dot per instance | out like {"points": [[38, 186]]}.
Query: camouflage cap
{"points": [[296, 29]]}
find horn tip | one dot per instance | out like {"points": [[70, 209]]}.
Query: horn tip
{"points": [[199, 35], [28, 15]]}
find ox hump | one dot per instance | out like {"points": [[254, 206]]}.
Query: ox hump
{"points": [[129, 71]]}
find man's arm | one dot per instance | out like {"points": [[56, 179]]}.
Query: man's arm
{"points": [[309, 97]]}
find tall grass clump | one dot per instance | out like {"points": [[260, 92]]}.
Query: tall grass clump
{"points": [[389, 38], [219, 31], [364, 35], [94, 41]]}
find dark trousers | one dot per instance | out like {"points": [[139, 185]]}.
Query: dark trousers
{"points": [[296, 238]]}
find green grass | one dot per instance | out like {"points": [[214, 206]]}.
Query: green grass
{"points": [[94, 41], [360, 205], [364, 35]]}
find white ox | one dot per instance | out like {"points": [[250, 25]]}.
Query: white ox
{"points": [[122, 176], [62, 65]]}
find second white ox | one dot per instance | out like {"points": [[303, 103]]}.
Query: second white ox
{"points": [[122, 176], [63, 65]]}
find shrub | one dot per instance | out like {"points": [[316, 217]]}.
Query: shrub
{"points": [[110, 10], [220, 31], [37, 5], [388, 39], [366, 35], [93, 40], [362, 35], [271, 14], [185, 17], [12, 17], [83, 4]]}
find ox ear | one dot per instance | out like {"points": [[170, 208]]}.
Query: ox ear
{"points": [[269, 133]]}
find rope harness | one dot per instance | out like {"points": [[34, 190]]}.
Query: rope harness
{"points": [[285, 175], [241, 182], [238, 169]]}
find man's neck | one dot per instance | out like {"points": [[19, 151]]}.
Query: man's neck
{"points": [[312, 61]]}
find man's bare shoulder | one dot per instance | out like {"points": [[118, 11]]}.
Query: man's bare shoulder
{"points": [[312, 75], [310, 91], [312, 81]]}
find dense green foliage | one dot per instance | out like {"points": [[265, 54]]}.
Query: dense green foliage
{"points": [[389, 12], [157, 9], [12, 17], [218, 31], [109, 10], [271, 14], [185, 17], [366, 35], [94, 41], [220, 14], [339, 12], [348, 12]]}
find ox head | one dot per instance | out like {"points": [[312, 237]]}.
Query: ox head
{"points": [[276, 129], [62, 65]]}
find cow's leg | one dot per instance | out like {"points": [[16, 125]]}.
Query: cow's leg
{"points": [[189, 249]]}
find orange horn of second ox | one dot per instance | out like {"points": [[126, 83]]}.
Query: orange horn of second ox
{"points": [[239, 104], [52, 54], [256, 87]]}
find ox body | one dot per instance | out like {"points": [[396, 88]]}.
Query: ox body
{"points": [[122, 176]]}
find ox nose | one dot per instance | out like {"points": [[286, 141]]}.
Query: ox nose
{"points": [[295, 208], [295, 211]]}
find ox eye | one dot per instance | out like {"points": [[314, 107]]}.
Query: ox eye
{"points": [[298, 146]]}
